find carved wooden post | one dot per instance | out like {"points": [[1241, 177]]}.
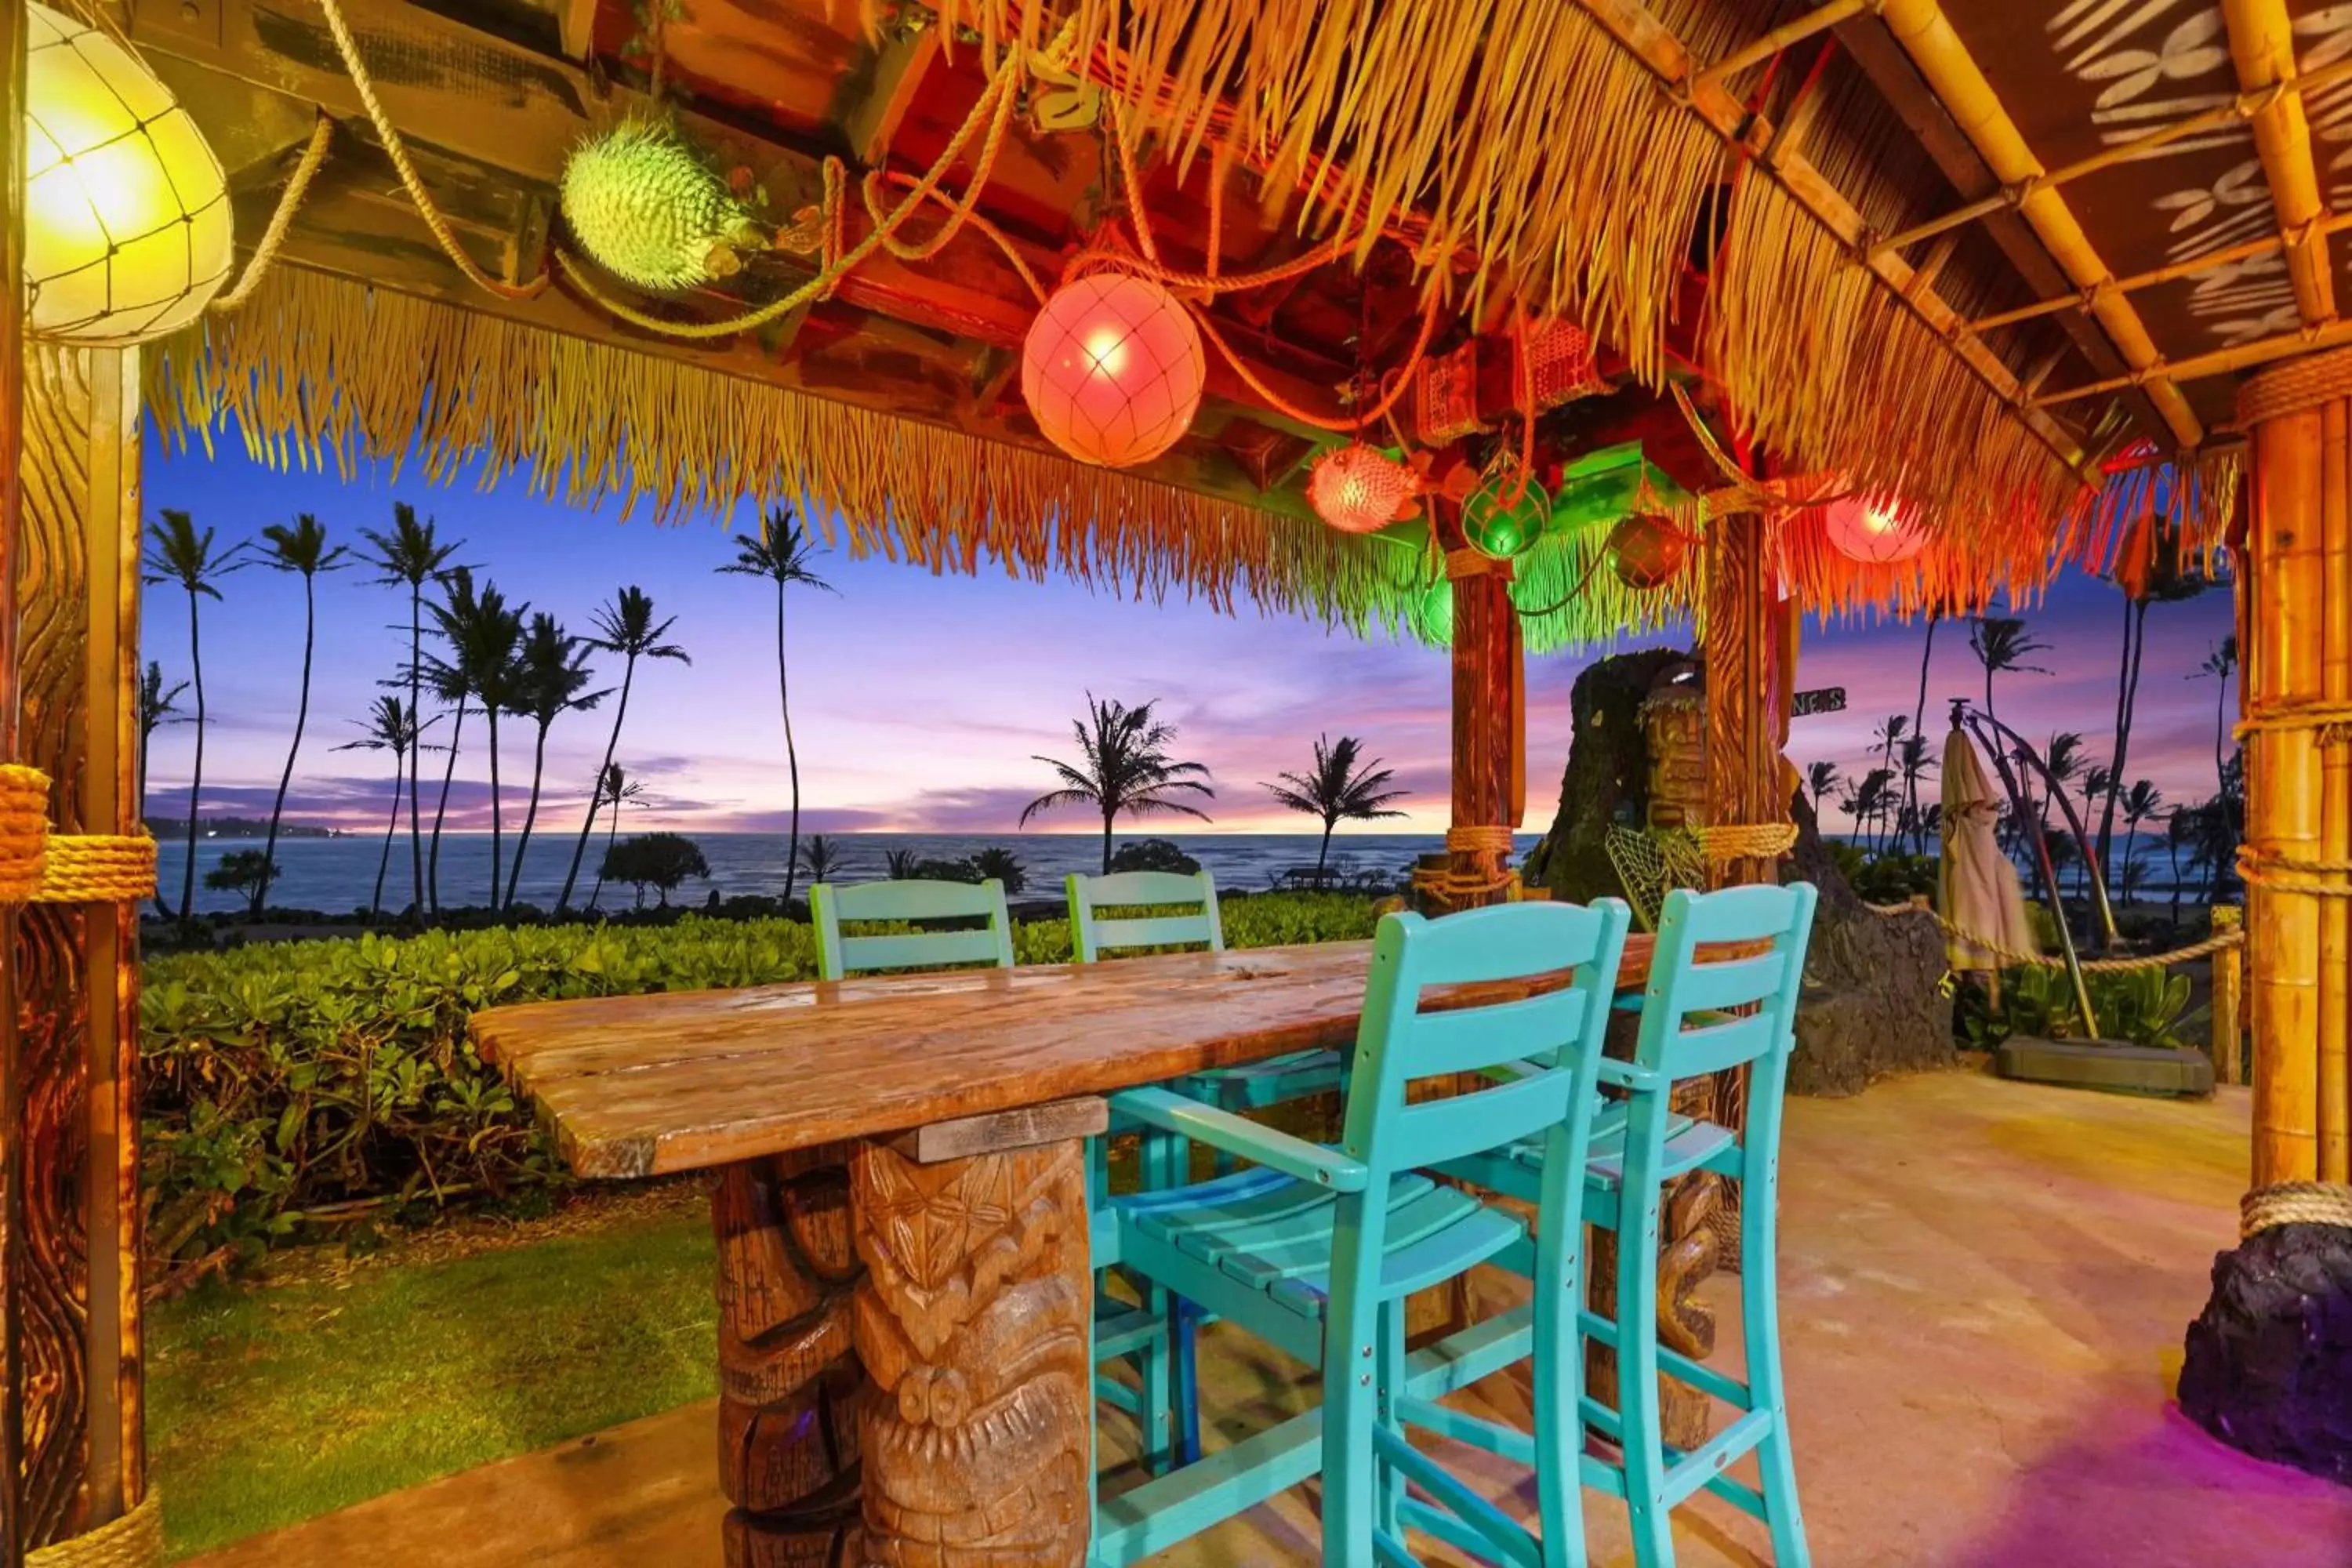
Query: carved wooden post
{"points": [[974, 1322], [75, 1271], [1489, 723], [788, 1383], [11, 1086]]}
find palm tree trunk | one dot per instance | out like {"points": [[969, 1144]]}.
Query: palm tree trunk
{"points": [[523, 839], [196, 775], [792, 757], [301, 717], [1918, 727], [611, 838], [2126, 704], [416, 712], [391, 831], [490, 713], [588, 823], [1324, 852], [1106, 819], [441, 812]]}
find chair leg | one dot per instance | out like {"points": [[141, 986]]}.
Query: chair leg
{"points": [[1184, 1379], [1558, 1375], [1759, 1314], [1157, 1364], [1389, 1384], [1638, 1408], [1350, 1491]]}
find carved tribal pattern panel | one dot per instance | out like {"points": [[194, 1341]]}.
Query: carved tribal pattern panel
{"points": [[54, 1289], [973, 1322]]}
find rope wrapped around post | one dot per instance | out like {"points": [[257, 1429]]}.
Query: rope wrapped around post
{"points": [[37, 866], [134, 1541], [1450, 885], [2295, 1203]]}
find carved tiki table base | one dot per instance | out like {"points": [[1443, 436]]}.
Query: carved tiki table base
{"points": [[904, 1282]]}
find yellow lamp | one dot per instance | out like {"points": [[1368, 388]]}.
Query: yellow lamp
{"points": [[126, 220]]}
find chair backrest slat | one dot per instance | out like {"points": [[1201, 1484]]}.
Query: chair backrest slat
{"points": [[1093, 936], [838, 954], [1556, 1032], [1684, 1032]]}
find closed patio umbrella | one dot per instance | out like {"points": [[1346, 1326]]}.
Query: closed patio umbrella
{"points": [[1979, 891]]}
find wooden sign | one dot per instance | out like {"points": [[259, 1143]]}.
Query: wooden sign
{"points": [[1821, 700]]}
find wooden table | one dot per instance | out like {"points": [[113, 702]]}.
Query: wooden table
{"points": [[901, 1200]]}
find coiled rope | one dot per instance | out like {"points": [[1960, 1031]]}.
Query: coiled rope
{"points": [[134, 1541], [2295, 1203], [40, 866]]}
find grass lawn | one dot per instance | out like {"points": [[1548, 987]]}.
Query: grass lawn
{"points": [[270, 1402]]}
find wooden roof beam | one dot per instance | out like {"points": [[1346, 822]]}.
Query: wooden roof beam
{"points": [[1641, 33], [2261, 46], [1927, 35]]}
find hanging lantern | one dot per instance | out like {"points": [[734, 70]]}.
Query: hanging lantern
{"points": [[1874, 531], [1432, 614], [651, 211], [1359, 489], [127, 224], [1500, 531], [1645, 550], [1111, 369]]}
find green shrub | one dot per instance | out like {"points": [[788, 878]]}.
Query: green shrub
{"points": [[2138, 1007], [295, 1084]]}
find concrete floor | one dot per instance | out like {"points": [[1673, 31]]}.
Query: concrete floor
{"points": [[1984, 1287]]}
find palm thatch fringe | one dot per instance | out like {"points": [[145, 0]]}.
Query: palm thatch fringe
{"points": [[319, 371]]}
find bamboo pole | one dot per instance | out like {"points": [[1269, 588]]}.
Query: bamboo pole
{"points": [[2219, 362], [2261, 46], [2228, 256], [12, 1088], [1952, 75], [2229, 1023], [1796, 30]]}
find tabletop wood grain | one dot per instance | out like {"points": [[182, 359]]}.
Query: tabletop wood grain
{"points": [[637, 1086]]}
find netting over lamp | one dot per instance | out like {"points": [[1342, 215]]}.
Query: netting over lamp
{"points": [[1872, 529], [1646, 550], [127, 224], [1111, 370], [1359, 489]]}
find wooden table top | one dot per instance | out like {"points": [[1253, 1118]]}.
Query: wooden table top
{"points": [[637, 1086]]}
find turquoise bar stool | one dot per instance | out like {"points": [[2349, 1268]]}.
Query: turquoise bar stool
{"points": [[1141, 1334], [834, 905], [1697, 1018], [1316, 1249]]}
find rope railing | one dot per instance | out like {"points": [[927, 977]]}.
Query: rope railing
{"points": [[2219, 942]]}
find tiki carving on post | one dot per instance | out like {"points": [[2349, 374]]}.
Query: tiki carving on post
{"points": [[972, 1321], [789, 1386]]}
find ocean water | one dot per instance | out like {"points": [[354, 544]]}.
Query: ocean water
{"points": [[336, 875]]}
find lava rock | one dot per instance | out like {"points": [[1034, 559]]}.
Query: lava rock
{"points": [[2269, 1369]]}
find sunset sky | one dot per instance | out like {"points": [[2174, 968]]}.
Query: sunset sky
{"points": [[919, 700]]}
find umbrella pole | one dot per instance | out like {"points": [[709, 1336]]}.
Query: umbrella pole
{"points": [[2049, 877], [2024, 748]]}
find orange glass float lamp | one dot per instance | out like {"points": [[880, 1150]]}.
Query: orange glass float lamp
{"points": [[1874, 530], [1646, 550], [1112, 370]]}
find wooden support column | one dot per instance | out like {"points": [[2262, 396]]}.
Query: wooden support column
{"points": [[1489, 724], [974, 1323], [12, 1082], [2297, 640], [1747, 678], [75, 1273]]}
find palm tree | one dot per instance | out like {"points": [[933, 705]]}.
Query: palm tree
{"points": [[2098, 780], [1821, 778], [452, 689], [898, 864], [1126, 768], [2166, 580], [1336, 788], [782, 556], [177, 553], [553, 675], [301, 547], [157, 708], [1887, 737], [1920, 721], [483, 632], [413, 555], [624, 625], [2140, 803], [389, 726], [2219, 664], [2064, 761], [820, 859], [1914, 762], [2179, 828], [1868, 799], [615, 787], [2001, 643]]}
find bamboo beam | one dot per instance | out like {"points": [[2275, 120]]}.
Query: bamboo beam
{"points": [[2261, 46], [1795, 30], [2245, 250], [1753, 137], [2217, 362], [1927, 35]]}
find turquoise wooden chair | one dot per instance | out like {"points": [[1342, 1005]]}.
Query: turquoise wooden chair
{"points": [[1141, 1334], [1317, 1248], [1697, 1018], [834, 905]]}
